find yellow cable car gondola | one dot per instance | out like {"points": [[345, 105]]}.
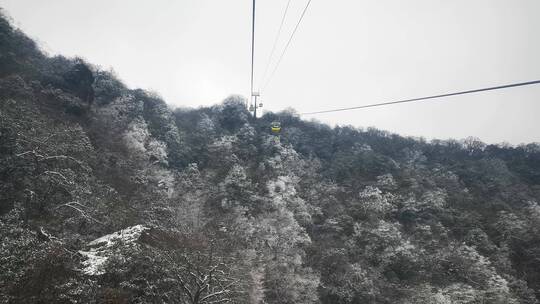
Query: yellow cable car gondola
{"points": [[275, 127]]}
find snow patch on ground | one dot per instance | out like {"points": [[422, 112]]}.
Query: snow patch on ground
{"points": [[125, 235], [101, 248], [93, 265]]}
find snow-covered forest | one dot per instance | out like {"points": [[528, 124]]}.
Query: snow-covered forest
{"points": [[107, 195]]}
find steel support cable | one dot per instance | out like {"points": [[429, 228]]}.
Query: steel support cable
{"points": [[287, 45], [428, 97], [276, 41]]}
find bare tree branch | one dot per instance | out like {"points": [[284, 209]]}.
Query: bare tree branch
{"points": [[73, 205]]}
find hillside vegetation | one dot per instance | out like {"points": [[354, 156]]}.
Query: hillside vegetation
{"points": [[107, 195]]}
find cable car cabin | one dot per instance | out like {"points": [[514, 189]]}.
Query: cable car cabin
{"points": [[275, 127]]}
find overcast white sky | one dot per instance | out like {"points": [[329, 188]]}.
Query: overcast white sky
{"points": [[346, 53]]}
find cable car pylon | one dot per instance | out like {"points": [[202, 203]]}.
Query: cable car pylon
{"points": [[253, 63], [254, 96]]}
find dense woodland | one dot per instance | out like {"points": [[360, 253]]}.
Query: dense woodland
{"points": [[107, 195]]}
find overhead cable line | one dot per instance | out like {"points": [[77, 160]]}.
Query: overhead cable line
{"points": [[276, 41], [287, 45], [428, 97]]}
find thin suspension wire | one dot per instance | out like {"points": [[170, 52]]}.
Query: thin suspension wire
{"points": [[287, 45], [428, 97], [252, 49], [276, 41]]}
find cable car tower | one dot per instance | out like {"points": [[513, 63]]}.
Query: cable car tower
{"points": [[255, 105], [254, 95]]}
